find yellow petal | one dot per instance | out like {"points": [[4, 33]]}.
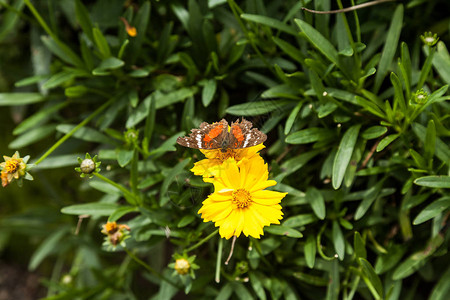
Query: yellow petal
{"points": [[267, 197], [269, 213]]}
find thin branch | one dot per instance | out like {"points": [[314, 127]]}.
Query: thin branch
{"points": [[351, 8]]}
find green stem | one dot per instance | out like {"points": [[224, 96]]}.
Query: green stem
{"points": [[219, 260], [116, 185], [319, 246], [150, 269], [202, 241], [75, 129]]}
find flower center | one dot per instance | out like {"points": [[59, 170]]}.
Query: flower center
{"points": [[223, 156], [241, 198], [11, 166], [111, 227]]}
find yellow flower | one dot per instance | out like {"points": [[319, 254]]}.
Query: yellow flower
{"points": [[214, 158], [239, 203], [182, 266], [13, 168]]}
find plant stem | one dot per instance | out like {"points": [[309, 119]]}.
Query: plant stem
{"points": [[219, 261], [150, 269], [202, 241], [75, 129], [116, 185]]}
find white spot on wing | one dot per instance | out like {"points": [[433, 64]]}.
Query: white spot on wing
{"points": [[247, 138]]}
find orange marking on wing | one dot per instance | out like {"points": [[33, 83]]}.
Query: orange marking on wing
{"points": [[237, 132], [213, 133]]}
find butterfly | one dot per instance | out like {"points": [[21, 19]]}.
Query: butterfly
{"points": [[218, 136]]}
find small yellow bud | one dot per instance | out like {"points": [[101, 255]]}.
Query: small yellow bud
{"points": [[182, 266]]}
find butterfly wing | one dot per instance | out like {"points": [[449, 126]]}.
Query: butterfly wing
{"points": [[207, 136], [242, 135]]}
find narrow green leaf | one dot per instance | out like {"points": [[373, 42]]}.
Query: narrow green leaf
{"points": [[442, 149], [300, 220], [101, 43], [441, 62], [164, 197], [32, 136], [284, 230], [290, 50], [433, 209], [338, 240], [257, 108], [86, 134], [310, 251], [430, 140], [441, 290], [310, 135], [344, 154], [186, 220], [121, 211], [434, 181], [371, 279], [317, 202], [359, 246], [92, 209], [390, 46], [141, 23], [386, 141], [47, 247], [374, 132], [319, 41], [9, 99], [124, 157], [387, 261], [208, 92], [274, 23], [84, 20], [399, 99], [38, 118], [63, 51]]}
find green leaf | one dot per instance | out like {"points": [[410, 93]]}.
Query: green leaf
{"points": [[390, 46], [386, 141], [121, 211], [163, 100], [124, 157], [92, 209], [432, 210], [47, 247], [141, 23], [31, 136], [442, 150], [274, 23], [374, 132], [399, 99], [441, 290], [317, 202], [371, 279], [387, 261], [9, 99], [290, 50], [283, 230], [319, 41], [208, 92], [257, 286], [359, 246], [257, 108], [417, 259], [101, 43], [63, 51], [86, 134], [83, 19], [369, 197], [59, 161], [441, 62], [310, 251], [291, 119], [430, 140], [300, 220], [434, 181], [338, 240], [310, 135], [110, 63], [164, 198], [186, 220], [38, 118], [344, 154]]}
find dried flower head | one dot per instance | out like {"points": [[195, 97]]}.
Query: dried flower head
{"points": [[130, 29], [116, 234], [14, 167], [88, 166]]}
